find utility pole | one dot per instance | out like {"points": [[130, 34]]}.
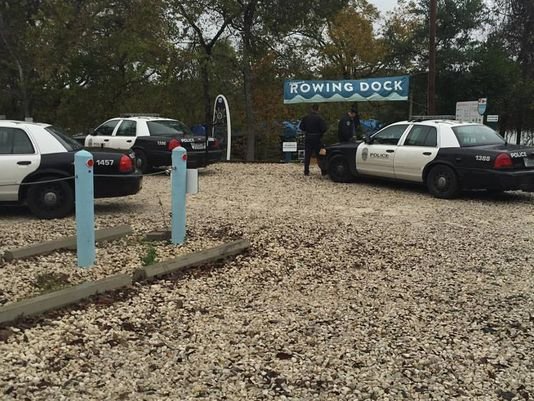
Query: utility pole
{"points": [[431, 90]]}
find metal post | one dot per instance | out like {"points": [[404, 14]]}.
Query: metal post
{"points": [[178, 180], [85, 210]]}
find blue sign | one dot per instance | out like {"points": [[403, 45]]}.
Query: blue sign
{"points": [[482, 103], [371, 89]]}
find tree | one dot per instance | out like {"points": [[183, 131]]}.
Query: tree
{"points": [[351, 49], [15, 55], [208, 19], [517, 25]]}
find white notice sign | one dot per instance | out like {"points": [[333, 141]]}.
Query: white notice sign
{"points": [[468, 112], [289, 146]]}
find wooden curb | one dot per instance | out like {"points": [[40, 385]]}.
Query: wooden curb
{"points": [[158, 236], [58, 299], [105, 234], [192, 259], [67, 296]]}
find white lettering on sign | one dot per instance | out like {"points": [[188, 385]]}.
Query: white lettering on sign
{"points": [[318, 87], [346, 86]]}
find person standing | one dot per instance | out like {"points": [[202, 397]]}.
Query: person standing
{"points": [[313, 126], [346, 129]]}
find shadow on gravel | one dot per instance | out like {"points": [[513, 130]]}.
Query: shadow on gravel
{"points": [[482, 195], [15, 212], [118, 207]]}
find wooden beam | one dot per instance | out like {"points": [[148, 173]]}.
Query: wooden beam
{"points": [[105, 234]]}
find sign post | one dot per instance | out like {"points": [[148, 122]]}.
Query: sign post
{"points": [[85, 209], [178, 182]]}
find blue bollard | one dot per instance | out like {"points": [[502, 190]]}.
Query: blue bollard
{"points": [[85, 210], [178, 181]]}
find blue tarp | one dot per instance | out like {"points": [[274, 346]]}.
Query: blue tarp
{"points": [[371, 89]]}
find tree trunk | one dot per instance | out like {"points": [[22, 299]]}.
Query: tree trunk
{"points": [[204, 73]]}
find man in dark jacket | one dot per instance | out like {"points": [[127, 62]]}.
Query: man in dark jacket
{"points": [[347, 126], [314, 126]]}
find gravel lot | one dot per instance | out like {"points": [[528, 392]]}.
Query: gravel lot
{"points": [[362, 291]]}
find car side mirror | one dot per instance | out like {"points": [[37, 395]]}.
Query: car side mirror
{"points": [[368, 139]]}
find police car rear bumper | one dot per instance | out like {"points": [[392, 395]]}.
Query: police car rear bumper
{"points": [[500, 180], [122, 185], [195, 159], [201, 158]]}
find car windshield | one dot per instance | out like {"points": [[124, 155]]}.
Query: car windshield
{"points": [[477, 135], [69, 143], [168, 127]]}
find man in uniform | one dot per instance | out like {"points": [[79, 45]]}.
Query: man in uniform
{"points": [[346, 128], [313, 126]]}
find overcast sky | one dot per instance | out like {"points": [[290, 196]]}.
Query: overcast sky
{"points": [[384, 5]]}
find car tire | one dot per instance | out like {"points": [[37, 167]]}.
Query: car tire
{"points": [[442, 182], [52, 200], [142, 161], [338, 169]]}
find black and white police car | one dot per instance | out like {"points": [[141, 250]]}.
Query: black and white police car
{"points": [[37, 169], [447, 156], [153, 139]]}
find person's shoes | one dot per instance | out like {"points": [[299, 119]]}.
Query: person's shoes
{"points": [[306, 173]]}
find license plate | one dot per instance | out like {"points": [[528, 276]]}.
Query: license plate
{"points": [[198, 146], [529, 162]]}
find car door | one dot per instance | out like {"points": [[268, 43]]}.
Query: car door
{"points": [[18, 158], [101, 137], [124, 135], [376, 157], [418, 149]]}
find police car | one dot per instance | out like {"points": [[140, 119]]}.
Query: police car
{"points": [[445, 155], [153, 139], [37, 169]]}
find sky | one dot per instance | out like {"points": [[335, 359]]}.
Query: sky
{"points": [[384, 5]]}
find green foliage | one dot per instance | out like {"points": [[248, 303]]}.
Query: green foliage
{"points": [[150, 257]]}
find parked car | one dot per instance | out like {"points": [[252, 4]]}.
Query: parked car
{"points": [[37, 169], [153, 139], [447, 156]]}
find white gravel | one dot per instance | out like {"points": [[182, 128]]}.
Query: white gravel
{"points": [[363, 291]]}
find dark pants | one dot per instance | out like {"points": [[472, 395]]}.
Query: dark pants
{"points": [[312, 144]]}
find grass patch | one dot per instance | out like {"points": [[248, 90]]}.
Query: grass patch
{"points": [[150, 257], [50, 282]]}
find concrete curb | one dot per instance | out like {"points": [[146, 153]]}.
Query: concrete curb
{"points": [[105, 234], [58, 299], [190, 260]]}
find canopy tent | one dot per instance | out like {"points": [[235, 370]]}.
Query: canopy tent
{"points": [[361, 90]]}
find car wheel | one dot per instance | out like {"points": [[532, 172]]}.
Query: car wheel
{"points": [[52, 200], [442, 182], [338, 169], [142, 161]]}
